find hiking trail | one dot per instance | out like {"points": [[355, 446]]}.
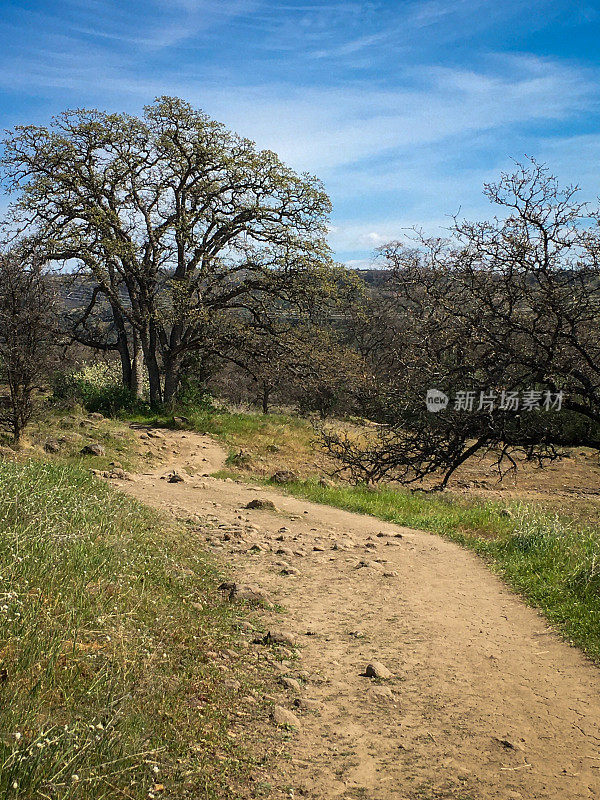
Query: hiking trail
{"points": [[485, 701]]}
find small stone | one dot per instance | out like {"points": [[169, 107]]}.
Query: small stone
{"points": [[281, 716], [508, 744], [262, 504], [290, 683], [52, 446], [376, 670], [117, 474], [248, 593], [307, 705], [280, 637], [93, 449], [390, 574], [284, 476]]}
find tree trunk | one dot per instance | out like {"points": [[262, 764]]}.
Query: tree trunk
{"points": [[172, 377], [125, 361], [122, 346], [149, 347], [154, 381], [266, 394], [136, 383]]}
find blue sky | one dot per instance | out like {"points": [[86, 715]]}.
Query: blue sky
{"points": [[403, 109]]}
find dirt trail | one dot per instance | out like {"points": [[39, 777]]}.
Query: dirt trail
{"points": [[485, 701]]}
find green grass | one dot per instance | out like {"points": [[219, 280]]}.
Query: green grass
{"points": [[235, 428], [71, 430], [106, 619]]}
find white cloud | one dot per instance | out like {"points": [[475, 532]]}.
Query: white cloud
{"points": [[392, 154], [321, 129]]}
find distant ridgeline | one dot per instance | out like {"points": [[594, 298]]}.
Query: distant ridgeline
{"points": [[77, 292]]}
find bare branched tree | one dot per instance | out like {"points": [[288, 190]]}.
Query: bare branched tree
{"points": [[506, 305], [26, 333]]}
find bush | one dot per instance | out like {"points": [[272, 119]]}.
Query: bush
{"points": [[97, 388], [193, 394]]}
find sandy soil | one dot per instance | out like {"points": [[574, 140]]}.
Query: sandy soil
{"points": [[484, 700]]}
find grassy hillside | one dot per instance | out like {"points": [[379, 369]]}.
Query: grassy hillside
{"points": [[111, 680]]}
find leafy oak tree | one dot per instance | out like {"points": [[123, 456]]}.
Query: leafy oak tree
{"points": [[173, 219]]}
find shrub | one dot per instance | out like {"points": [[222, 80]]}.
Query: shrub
{"points": [[97, 388]]}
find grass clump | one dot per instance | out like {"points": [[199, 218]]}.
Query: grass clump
{"points": [[105, 621]]}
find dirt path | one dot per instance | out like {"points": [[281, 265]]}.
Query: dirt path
{"points": [[484, 700]]}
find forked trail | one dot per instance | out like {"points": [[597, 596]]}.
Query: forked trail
{"points": [[484, 700]]}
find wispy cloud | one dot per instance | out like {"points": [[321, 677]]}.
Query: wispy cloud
{"points": [[403, 107]]}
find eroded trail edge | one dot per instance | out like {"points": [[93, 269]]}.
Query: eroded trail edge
{"points": [[484, 700]]}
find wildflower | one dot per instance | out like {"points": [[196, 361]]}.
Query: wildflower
{"points": [[18, 736]]}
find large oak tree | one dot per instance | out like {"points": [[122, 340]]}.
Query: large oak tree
{"points": [[172, 220]]}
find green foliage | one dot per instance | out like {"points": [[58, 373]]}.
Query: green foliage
{"points": [[97, 388], [192, 394]]}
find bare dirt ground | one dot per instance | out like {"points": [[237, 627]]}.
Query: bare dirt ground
{"points": [[484, 700]]}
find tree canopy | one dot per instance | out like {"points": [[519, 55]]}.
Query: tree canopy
{"points": [[174, 219]]}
